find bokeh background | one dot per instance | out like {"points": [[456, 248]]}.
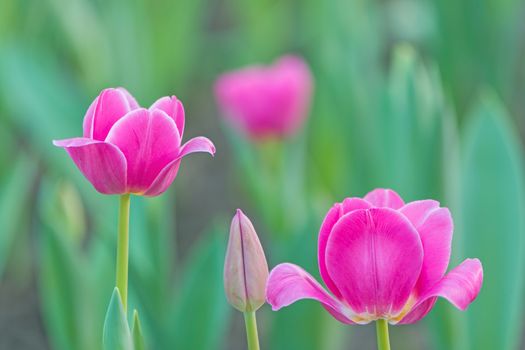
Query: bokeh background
{"points": [[424, 96]]}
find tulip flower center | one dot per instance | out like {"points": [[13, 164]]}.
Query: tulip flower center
{"points": [[367, 317]]}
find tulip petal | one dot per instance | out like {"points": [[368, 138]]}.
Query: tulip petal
{"points": [[381, 197], [169, 172], [103, 164], [418, 211], [374, 256], [163, 181], [173, 108], [108, 107], [435, 228], [150, 141], [197, 144], [460, 286], [333, 215], [418, 312], [289, 283], [133, 104]]}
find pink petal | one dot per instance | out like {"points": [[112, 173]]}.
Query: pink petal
{"points": [[460, 287], [150, 141], [173, 108], [163, 181], [133, 104], [288, 283], [169, 172], [435, 228], [334, 214], [197, 144], [381, 197], [418, 312], [108, 107], [102, 163], [374, 257], [418, 211]]}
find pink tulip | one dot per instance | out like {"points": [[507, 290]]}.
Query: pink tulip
{"points": [[128, 149], [266, 101], [245, 267], [381, 259]]}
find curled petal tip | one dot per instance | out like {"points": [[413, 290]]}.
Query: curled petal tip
{"points": [[63, 143], [197, 144]]}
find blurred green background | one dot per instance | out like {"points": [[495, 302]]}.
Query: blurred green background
{"points": [[424, 96]]}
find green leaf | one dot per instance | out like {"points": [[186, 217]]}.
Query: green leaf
{"points": [[59, 288], [136, 332], [200, 310], [14, 199], [116, 334], [70, 292], [151, 252], [151, 260], [411, 128], [56, 108], [492, 227]]}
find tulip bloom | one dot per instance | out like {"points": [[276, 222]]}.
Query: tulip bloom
{"points": [[381, 259], [245, 267], [128, 149], [266, 101]]}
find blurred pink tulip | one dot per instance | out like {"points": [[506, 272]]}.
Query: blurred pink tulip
{"points": [[245, 267], [381, 259], [266, 101], [128, 149]]}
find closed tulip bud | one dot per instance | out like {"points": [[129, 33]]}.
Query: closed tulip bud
{"points": [[245, 266]]}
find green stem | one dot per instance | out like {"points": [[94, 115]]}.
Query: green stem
{"points": [[251, 330], [123, 249], [383, 341]]}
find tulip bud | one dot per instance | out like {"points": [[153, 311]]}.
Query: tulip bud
{"points": [[245, 266]]}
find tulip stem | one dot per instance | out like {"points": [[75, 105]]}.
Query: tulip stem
{"points": [[383, 341], [251, 330], [123, 249]]}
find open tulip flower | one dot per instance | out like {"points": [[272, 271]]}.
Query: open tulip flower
{"points": [[266, 101], [128, 149], [381, 259]]}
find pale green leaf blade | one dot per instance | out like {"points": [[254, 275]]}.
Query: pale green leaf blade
{"points": [[492, 207], [136, 333], [14, 199], [116, 334], [201, 312]]}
